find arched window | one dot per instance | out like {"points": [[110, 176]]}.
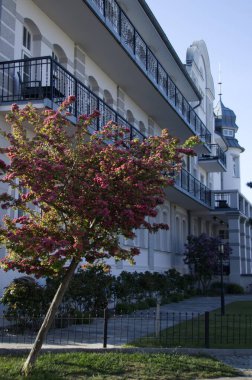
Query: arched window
{"points": [[29, 73], [162, 237], [107, 113], [177, 236], [27, 39], [165, 233], [108, 99], [59, 78], [236, 171], [31, 41], [92, 100], [142, 128], [184, 234], [93, 85], [59, 55], [130, 118]]}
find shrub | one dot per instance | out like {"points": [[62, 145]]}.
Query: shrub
{"points": [[230, 288], [233, 288], [124, 308], [25, 301], [89, 290]]}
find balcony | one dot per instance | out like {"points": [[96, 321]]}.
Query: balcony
{"points": [[192, 194], [47, 83], [215, 161], [43, 80], [232, 201], [110, 13]]}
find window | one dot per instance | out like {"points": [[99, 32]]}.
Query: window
{"points": [[142, 127], [236, 169], [224, 234], [228, 132], [26, 39], [130, 118]]}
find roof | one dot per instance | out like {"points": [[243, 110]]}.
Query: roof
{"points": [[231, 142], [166, 41], [224, 116]]}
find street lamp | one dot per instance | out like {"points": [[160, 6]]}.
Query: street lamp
{"points": [[221, 252]]}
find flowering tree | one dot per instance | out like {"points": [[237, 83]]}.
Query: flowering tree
{"points": [[78, 193], [202, 254]]}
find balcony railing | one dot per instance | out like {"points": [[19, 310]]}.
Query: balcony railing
{"points": [[216, 154], [40, 79], [118, 23], [43, 78], [193, 187], [232, 200]]}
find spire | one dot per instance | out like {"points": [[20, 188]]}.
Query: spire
{"points": [[220, 82]]}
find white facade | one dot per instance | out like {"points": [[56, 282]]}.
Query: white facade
{"points": [[137, 76]]}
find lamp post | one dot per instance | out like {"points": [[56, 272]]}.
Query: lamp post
{"points": [[221, 252]]}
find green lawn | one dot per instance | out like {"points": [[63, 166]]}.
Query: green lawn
{"points": [[112, 366], [234, 330]]}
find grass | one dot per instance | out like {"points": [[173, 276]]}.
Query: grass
{"points": [[234, 330], [112, 366]]}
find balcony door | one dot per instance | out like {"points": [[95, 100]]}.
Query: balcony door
{"points": [[26, 54]]}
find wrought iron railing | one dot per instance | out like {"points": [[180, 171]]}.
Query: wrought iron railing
{"points": [[233, 200], [43, 78], [119, 24], [194, 187], [216, 154], [140, 329]]}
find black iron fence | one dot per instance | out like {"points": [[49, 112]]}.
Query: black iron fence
{"points": [[122, 28], [43, 78], [139, 329]]}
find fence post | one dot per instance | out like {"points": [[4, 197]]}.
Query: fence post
{"points": [[158, 316], [105, 328], [207, 329]]}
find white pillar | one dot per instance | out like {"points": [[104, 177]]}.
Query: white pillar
{"points": [[243, 260], [234, 241], [248, 247]]}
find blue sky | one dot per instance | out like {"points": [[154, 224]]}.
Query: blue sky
{"points": [[226, 27]]}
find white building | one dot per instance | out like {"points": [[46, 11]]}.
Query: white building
{"points": [[114, 56]]}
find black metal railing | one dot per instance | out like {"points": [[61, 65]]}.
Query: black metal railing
{"points": [[216, 154], [140, 329], [119, 24], [43, 78], [232, 199], [194, 187]]}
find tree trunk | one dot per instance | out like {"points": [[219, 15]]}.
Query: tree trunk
{"points": [[32, 357]]}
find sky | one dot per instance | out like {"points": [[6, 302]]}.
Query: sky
{"points": [[226, 28]]}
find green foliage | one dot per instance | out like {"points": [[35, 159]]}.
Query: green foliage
{"points": [[233, 288], [230, 288], [203, 256], [25, 301], [114, 365], [125, 308], [89, 290]]}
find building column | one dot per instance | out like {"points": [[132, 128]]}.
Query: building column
{"points": [[151, 249], [243, 256], [79, 64], [248, 247], [234, 242], [7, 29], [120, 101]]}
